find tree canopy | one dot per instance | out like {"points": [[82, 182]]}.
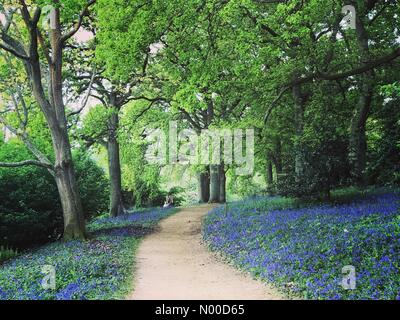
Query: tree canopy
{"points": [[95, 76]]}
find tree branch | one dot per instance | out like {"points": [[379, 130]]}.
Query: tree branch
{"points": [[368, 66], [86, 99], [27, 163], [45, 48], [25, 12], [144, 111], [8, 19], [99, 98], [275, 102], [77, 26], [13, 52], [31, 147], [145, 98], [187, 116]]}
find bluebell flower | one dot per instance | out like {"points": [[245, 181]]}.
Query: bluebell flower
{"points": [[308, 246]]}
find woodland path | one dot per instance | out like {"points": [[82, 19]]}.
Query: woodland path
{"points": [[173, 264]]}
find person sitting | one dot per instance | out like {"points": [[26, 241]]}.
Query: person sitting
{"points": [[169, 201]]}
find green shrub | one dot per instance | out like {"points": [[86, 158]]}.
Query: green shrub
{"points": [[30, 209], [93, 185], [6, 253]]}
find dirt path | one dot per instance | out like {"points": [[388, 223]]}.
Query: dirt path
{"points": [[173, 264]]}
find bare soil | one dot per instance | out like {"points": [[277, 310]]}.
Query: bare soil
{"points": [[174, 264]]}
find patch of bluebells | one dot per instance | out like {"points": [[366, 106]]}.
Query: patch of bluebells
{"points": [[303, 250], [99, 268]]}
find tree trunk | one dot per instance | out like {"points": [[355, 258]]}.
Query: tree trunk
{"points": [[214, 183], [74, 221], [299, 115], [358, 141], [52, 106], [222, 184], [278, 157], [114, 165], [270, 178], [204, 186], [54, 111]]}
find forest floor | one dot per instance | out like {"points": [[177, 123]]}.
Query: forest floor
{"points": [[173, 263]]}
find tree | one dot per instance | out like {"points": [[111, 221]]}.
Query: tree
{"points": [[312, 46], [231, 63], [44, 57]]}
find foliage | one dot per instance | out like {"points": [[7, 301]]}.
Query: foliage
{"points": [[7, 253], [303, 250], [92, 183], [138, 177], [384, 141], [236, 56], [175, 192], [30, 210], [323, 106], [100, 268], [29, 205], [243, 186]]}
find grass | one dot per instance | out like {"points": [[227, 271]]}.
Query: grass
{"points": [[99, 268], [302, 247]]}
